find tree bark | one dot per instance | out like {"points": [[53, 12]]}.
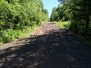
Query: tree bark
{"points": [[87, 26]]}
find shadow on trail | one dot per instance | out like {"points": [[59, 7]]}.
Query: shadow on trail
{"points": [[56, 49]]}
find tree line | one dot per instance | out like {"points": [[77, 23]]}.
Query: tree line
{"points": [[76, 11], [16, 15]]}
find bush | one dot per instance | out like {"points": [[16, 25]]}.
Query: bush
{"points": [[63, 24], [8, 35]]}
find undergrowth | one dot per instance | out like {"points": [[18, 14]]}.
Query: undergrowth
{"points": [[11, 34], [63, 24]]}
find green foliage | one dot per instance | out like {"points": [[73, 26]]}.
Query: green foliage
{"points": [[10, 34], [81, 16], [78, 12], [60, 13], [7, 35], [63, 24], [17, 15]]}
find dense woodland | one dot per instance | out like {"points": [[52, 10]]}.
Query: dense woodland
{"points": [[76, 11], [17, 15]]}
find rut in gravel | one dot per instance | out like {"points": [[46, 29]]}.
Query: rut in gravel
{"points": [[48, 47]]}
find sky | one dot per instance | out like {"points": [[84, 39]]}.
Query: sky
{"points": [[50, 4]]}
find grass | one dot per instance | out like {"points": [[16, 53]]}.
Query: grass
{"points": [[63, 24], [10, 34], [66, 25], [28, 31]]}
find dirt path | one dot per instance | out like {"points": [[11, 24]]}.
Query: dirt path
{"points": [[48, 47]]}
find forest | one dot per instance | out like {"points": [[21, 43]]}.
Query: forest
{"points": [[78, 12], [19, 16]]}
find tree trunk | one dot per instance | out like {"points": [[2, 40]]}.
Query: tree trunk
{"points": [[86, 26]]}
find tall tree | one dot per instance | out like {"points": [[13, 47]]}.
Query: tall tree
{"points": [[79, 11]]}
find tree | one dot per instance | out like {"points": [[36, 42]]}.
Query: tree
{"points": [[60, 13], [19, 14], [79, 12]]}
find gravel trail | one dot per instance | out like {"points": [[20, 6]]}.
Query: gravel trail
{"points": [[48, 47]]}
